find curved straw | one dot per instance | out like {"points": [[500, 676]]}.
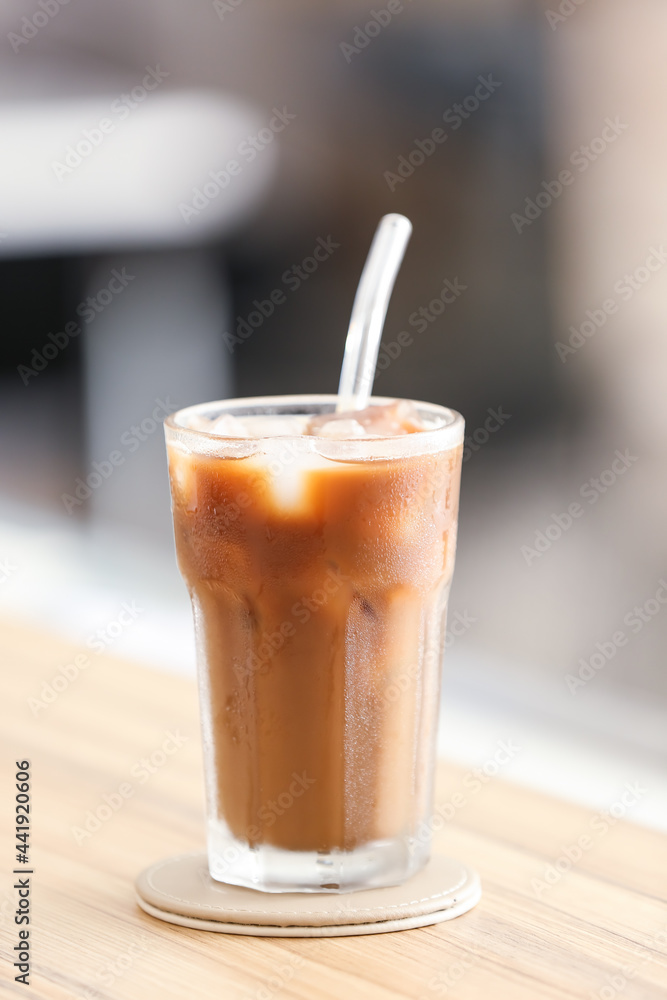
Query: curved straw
{"points": [[369, 311]]}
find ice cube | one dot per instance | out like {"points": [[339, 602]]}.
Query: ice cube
{"points": [[228, 426], [407, 415], [399, 417], [387, 420], [286, 472], [199, 423], [341, 429], [273, 425]]}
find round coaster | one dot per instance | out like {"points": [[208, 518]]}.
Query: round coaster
{"points": [[181, 891]]}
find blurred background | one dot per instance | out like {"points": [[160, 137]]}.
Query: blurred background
{"points": [[187, 196]]}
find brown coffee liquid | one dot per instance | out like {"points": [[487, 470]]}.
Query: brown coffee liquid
{"points": [[323, 627]]}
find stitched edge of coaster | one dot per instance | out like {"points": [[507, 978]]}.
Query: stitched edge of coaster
{"points": [[317, 930], [286, 913]]}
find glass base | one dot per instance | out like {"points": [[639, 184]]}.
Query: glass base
{"points": [[273, 869]]}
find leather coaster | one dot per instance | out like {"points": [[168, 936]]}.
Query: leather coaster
{"points": [[181, 891]]}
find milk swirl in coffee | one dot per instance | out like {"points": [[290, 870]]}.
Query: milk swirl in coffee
{"points": [[318, 550]]}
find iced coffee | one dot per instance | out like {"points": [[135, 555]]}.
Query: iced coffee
{"points": [[318, 550]]}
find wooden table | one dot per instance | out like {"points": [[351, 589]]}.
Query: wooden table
{"points": [[599, 931]]}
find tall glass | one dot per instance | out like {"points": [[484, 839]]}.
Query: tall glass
{"points": [[319, 572]]}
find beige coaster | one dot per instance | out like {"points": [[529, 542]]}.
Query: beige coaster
{"points": [[181, 891]]}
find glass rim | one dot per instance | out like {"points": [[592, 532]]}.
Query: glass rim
{"points": [[447, 434]]}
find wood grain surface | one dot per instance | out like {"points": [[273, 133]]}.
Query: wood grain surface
{"points": [[596, 928]]}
